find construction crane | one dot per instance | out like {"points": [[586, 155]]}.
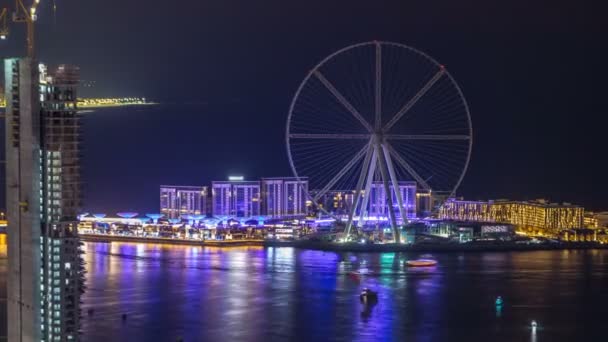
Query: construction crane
{"points": [[3, 23], [21, 14]]}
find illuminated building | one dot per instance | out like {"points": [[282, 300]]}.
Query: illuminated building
{"points": [[101, 102], [43, 199], [236, 198], [590, 220], [596, 219], [423, 203], [462, 231], [284, 196], [378, 206], [176, 201], [537, 216], [337, 202]]}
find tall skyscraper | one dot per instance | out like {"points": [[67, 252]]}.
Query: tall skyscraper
{"points": [[176, 201], [283, 197], [236, 198], [43, 200]]}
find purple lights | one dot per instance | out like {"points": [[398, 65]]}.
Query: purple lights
{"points": [[127, 214]]}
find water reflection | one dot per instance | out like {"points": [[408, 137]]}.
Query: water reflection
{"points": [[257, 294]]}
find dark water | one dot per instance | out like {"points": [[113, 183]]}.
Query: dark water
{"points": [[280, 294]]}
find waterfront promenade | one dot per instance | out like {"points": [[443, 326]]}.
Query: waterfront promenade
{"points": [[351, 247]]}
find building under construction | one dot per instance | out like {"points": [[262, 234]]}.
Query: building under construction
{"points": [[43, 191]]}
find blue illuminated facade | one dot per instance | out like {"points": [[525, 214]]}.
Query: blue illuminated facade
{"points": [[176, 201], [236, 198], [378, 206], [283, 197]]}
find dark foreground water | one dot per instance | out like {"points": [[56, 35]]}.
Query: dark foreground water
{"points": [[281, 294]]}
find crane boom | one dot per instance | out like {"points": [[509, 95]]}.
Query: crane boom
{"points": [[21, 14], [3, 23]]}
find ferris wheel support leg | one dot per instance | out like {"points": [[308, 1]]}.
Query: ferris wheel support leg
{"points": [[357, 196], [396, 187], [368, 187], [387, 192]]}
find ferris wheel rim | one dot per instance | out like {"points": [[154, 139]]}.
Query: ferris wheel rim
{"points": [[339, 52]]}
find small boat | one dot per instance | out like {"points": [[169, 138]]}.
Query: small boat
{"points": [[362, 272], [368, 296], [421, 263]]}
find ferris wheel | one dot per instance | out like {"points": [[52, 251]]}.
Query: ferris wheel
{"points": [[379, 113]]}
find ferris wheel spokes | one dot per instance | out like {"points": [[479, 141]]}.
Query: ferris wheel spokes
{"points": [[329, 136], [408, 168], [378, 88], [427, 137], [414, 99], [342, 172], [342, 100], [377, 155]]}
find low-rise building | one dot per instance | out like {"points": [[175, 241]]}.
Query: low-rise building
{"points": [[537, 216], [284, 196], [177, 201], [236, 198]]}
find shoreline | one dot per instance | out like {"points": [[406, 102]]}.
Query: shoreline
{"points": [[352, 247]]}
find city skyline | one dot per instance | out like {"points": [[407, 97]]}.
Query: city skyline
{"points": [[521, 83], [302, 171]]}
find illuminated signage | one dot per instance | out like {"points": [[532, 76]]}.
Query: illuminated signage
{"points": [[283, 230], [494, 229], [235, 178]]}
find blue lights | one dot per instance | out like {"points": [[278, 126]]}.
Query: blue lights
{"points": [[154, 217]]}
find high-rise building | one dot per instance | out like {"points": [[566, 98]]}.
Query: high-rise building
{"points": [[283, 197], [236, 198], [540, 215], [43, 200], [176, 201]]}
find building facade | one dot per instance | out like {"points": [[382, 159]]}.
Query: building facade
{"points": [[176, 201], [378, 206], [340, 202], [236, 198], [284, 197], [336, 202], [537, 216], [43, 192]]}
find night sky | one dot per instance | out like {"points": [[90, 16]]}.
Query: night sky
{"points": [[533, 73]]}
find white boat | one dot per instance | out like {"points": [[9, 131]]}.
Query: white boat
{"points": [[421, 263]]}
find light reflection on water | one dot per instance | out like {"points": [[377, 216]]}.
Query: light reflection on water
{"points": [[252, 293], [277, 294]]}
